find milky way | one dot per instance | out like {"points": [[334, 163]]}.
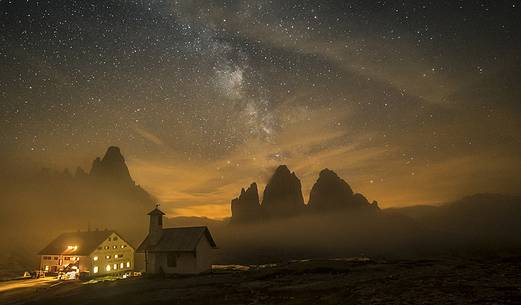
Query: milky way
{"points": [[409, 101]]}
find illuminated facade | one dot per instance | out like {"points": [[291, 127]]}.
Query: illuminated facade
{"points": [[91, 252]]}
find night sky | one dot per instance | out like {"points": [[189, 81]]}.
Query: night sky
{"points": [[411, 102]]}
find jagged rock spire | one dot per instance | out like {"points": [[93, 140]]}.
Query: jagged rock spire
{"points": [[331, 192], [112, 166], [283, 194], [246, 207]]}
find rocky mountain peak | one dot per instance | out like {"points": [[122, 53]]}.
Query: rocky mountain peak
{"points": [[331, 192], [246, 207], [113, 155], [112, 166], [283, 194]]}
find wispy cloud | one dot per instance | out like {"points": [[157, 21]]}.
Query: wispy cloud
{"points": [[147, 134]]}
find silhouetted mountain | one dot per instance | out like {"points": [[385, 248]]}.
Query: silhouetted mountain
{"points": [[331, 193], [283, 194], [56, 201], [246, 208], [111, 167], [191, 221], [492, 217], [414, 211], [283, 197], [80, 173]]}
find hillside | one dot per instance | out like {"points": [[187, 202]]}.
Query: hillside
{"points": [[477, 280]]}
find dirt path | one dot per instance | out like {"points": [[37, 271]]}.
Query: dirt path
{"points": [[19, 291]]}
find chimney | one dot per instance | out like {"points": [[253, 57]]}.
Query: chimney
{"points": [[155, 230]]}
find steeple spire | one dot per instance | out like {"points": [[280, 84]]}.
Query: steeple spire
{"points": [[155, 230]]}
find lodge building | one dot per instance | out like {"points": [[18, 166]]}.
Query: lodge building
{"points": [[91, 252]]}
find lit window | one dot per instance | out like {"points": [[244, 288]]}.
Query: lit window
{"points": [[95, 258], [116, 256], [115, 247], [72, 248], [107, 247], [121, 266], [123, 246], [107, 268], [46, 268], [115, 266], [107, 257], [128, 264], [95, 270]]}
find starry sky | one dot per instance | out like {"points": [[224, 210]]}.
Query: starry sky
{"points": [[411, 102]]}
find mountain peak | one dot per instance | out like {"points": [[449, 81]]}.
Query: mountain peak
{"points": [[283, 194], [113, 154], [282, 169], [331, 193], [112, 166], [326, 172], [246, 208]]}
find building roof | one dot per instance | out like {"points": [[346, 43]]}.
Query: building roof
{"points": [[76, 243], [184, 239], [156, 211]]}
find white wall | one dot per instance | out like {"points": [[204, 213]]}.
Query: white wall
{"points": [[205, 256], [187, 262], [114, 248]]}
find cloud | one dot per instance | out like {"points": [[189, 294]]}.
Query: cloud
{"points": [[147, 135], [206, 187]]}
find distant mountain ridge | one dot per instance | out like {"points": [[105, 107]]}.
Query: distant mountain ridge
{"points": [[109, 171], [105, 196], [479, 215]]}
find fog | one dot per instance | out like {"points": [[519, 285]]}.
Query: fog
{"points": [[477, 225], [36, 206]]}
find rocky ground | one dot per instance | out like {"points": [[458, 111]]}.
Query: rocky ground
{"points": [[355, 281]]}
